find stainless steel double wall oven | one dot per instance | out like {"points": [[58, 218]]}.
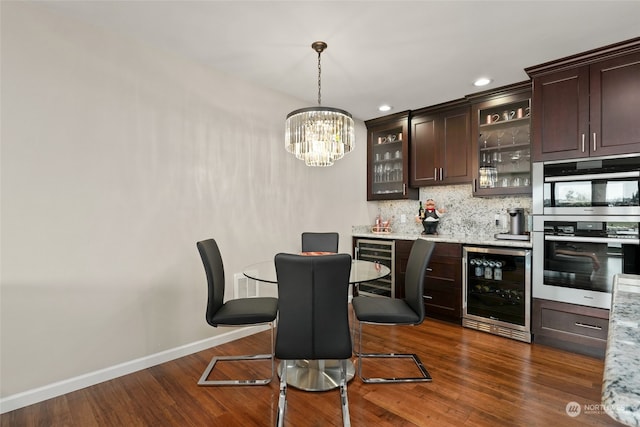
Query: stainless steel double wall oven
{"points": [[585, 228]]}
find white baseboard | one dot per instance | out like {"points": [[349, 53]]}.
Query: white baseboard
{"points": [[59, 388]]}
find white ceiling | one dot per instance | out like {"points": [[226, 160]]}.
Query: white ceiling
{"points": [[409, 54]]}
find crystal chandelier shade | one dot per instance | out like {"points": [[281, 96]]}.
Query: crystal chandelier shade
{"points": [[319, 135]]}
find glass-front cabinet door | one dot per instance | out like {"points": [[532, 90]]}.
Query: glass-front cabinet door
{"points": [[502, 141], [388, 158]]}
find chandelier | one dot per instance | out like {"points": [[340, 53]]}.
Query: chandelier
{"points": [[319, 135]]}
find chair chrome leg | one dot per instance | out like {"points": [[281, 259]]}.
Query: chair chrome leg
{"points": [[344, 399], [425, 376], [282, 400], [252, 381], [355, 334], [359, 352]]}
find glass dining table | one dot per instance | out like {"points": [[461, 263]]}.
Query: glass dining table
{"points": [[317, 375]]}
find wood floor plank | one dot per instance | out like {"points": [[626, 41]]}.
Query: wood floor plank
{"points": [[478, 380]]}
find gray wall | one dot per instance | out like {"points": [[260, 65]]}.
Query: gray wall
{"points": [[116, 158]]}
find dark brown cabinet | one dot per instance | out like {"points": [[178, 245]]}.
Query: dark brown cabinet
{"points": [[501, 122], [588, 104], [440, 145], [443, 284], [388, 158], [443, 281], [574, 328]]}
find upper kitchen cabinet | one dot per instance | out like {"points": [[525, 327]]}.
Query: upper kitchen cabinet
{"points": [[501, 124], [440, 148], [587, 104], [388, 158]]}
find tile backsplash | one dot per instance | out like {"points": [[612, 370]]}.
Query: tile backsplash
{"points": [[465, 214]]}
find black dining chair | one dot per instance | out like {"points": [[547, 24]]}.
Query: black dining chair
{"points": [[375, 310], [320, 242], [313, 318], [235, 312]]}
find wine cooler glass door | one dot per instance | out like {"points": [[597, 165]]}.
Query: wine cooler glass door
{"points": [[497, 287]]}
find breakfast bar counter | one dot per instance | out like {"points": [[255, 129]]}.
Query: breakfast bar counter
{"points": [[621, 379]]}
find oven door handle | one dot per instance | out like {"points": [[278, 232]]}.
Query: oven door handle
{"points": [[593, 176], [624, 241]]}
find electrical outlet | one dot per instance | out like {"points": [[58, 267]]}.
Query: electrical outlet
{"points": [[497, 219], [403, 218]]}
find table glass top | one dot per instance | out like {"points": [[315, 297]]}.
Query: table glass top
{"points": [[361, 271]]}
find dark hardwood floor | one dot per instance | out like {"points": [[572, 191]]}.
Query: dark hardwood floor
{"points": [[478, 380]]}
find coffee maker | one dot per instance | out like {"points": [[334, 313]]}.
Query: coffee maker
{"points": [[516, 226]]}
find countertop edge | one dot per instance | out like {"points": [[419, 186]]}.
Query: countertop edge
{"points": [[621, 376], [482, 240]]}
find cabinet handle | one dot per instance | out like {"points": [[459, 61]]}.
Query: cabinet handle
{"points": [[584, 325], [404, 189], [441, 168], [583, 137], [435, 174], [427, 297], [594, 142], [475, 185], [429, 269]]}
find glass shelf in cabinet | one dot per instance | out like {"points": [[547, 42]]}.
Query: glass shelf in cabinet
{"points": [[506, 136], [383, 161], [380, 144], [389, 138], [508, 146], [524, 121]]}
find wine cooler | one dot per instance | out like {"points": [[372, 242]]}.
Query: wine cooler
{"points": [[383, 252], [497, 291]]}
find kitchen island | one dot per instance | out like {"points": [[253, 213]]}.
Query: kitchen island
{"points": [[621, 379]]}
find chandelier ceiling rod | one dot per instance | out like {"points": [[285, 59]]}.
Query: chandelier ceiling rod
{"points": [[319, 47]]}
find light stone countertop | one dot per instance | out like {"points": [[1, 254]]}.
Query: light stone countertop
{"points": [[621, 379], [466, 239]]}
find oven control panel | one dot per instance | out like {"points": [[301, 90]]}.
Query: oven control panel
{"points": [[607, 229]]}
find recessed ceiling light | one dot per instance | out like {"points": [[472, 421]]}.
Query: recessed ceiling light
{"points": [[482, 81], [385, 107]]}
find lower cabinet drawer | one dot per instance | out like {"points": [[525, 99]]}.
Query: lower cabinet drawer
{"points": [[442, 303], [574, 323], [570, 327]]}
